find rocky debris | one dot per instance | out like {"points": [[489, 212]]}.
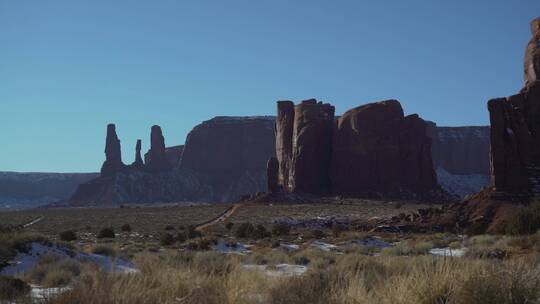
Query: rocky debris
{"points": [[272, 175], [113, 155], [138, 163], [532, 55], [156, 158], [378, 149], [488, 211], [460, 150]]}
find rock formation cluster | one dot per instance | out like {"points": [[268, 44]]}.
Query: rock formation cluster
{"points": [[371, 150], [223, 159], [515, 129]]}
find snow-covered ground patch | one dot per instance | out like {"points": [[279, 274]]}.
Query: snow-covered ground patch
{"points": [[323, 246], [278, 270], [24, 261], [461, 184], [448, 252], [42, 295], [289, 247], [234, 248]]}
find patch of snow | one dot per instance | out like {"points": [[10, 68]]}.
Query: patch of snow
{"points": [[278, 270], [42, 295], [25, 261], [323, 246], [234, 248], [461, 184], [448, 252], [289, 247]]}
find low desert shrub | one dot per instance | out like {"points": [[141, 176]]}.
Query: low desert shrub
{"points": [[244, 230], [126, 228], [166, 239], [317, 234], [106, 233], [53, 271], [525, 221], [68, 236], [281, 229]]}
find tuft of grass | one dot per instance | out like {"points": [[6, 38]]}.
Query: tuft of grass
{"points": [[12, 289], [53, 271], [104, 250], [525, 221]]}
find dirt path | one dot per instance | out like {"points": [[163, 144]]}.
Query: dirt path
{"points": [[35, 221], [220, 218]]}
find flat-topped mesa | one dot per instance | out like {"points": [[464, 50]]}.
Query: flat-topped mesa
{"points": [[156, 158], [532, 55], [377, 149], [138, 163], [113, 155]]}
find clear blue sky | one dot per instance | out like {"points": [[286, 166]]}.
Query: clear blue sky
{"points": [[67, 68]]}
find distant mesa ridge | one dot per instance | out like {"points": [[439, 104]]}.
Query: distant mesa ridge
{"points": [[225, 158]]}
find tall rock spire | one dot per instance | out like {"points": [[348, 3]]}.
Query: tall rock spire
{"points": [[138, 163], [156, 158], [113, 155]]}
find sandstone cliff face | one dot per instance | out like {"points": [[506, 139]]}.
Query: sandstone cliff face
{"points": [[284, 140], [515, 129], [311, 147], [378, 149], [371, 150], [230, 154], [461, 150], [515, 157]]}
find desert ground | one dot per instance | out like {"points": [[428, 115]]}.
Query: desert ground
{"points": [[265, 253]]}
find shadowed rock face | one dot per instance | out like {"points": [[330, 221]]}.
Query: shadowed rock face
{"points": [[230, 154], [378, 149], [515, 130], [138, 163], [461, 150], [113, 155], [156, 158], [311, 147], [272, 177], [515, 135]]}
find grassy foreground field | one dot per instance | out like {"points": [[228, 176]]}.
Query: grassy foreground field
{"points": [[253, 257]]}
